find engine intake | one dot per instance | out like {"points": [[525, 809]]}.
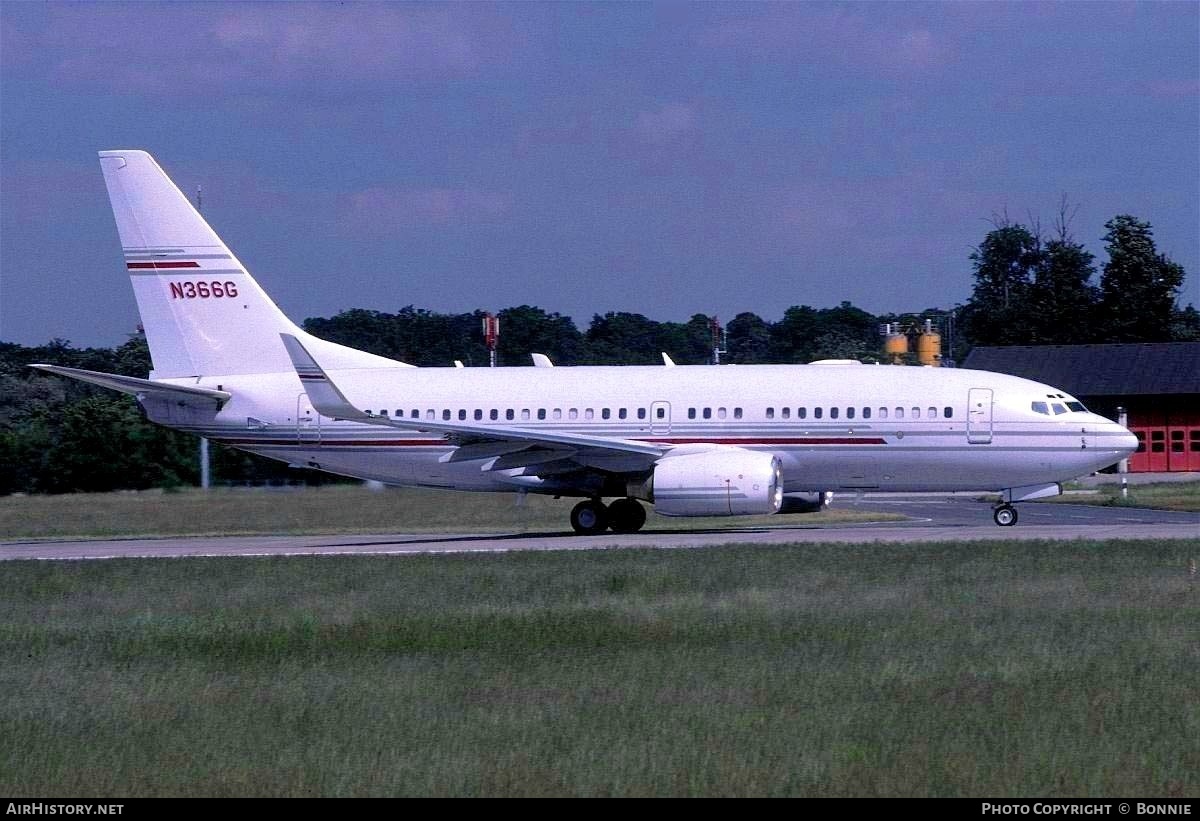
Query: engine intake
{"points": [[719, 482]]}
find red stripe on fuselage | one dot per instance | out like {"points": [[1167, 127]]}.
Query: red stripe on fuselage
{"points": [[431, 442]]}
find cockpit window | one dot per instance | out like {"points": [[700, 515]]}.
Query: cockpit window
{"points": [[1058, 409], [1040, 407], [1077, 407]]}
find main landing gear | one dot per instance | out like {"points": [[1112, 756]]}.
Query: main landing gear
{"points": [[1005, 515], [591, 516]]}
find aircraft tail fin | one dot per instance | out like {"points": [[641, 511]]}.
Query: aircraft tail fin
{"points": [[202, 311]]}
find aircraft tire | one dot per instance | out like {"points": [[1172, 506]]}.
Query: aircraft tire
{"points": [[589, 517], [626, 516], [1005, 515]]}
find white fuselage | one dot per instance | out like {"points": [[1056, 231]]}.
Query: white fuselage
{"points": [[833, 427]]}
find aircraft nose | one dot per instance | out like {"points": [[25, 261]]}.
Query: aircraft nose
{"points": [[1126, 441]]}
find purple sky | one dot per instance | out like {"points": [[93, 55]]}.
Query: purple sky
{"points": [[667, 159]]}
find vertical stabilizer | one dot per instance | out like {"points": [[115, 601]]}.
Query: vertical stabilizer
{"points": [[203, 313]]}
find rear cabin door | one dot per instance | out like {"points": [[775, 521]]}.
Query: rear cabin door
{"points": [[979, 416]]}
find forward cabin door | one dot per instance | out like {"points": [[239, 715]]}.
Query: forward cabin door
{"points": [[979, 416]]}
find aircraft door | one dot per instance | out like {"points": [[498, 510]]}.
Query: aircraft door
{"points": [[979, 416], [660, 417], [308, 422]]}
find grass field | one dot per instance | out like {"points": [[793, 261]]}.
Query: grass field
{"points": [[994, 669], [330, 509], [1162, 496]]}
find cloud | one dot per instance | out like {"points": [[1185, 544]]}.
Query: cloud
{"points": [[186, 49], [668, 124], [817, 34], [381, 209]]}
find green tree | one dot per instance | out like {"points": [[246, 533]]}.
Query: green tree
{"points": [[1062, 300], [748, 340], [1005, 265], [527, 329], [1139, 285]]}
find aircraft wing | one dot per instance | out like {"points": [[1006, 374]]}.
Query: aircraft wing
{"points": [[143, 388], [328, 400]]}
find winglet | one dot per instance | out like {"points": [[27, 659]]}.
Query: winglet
{"points": [[324, 395], [667, 360]]}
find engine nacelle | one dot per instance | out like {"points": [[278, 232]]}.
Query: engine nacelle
{"points": [[719, 482], [806, 502]]}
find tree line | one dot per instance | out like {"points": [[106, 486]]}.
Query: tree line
{"points": [[1030, 287]]}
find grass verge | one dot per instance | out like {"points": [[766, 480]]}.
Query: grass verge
{"points": [[329, 509], [995, 669], [1184, 496]]}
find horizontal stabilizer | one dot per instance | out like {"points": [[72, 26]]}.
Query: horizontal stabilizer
{"points": [[142, 387]]}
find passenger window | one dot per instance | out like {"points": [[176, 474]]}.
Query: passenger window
{"points": [[833, 413], [573, 413], [948, 412], [509, 414], [691, 413], [770, 413], [899, 413], [382, 412], [931, 413], [478, 414], [541, 414], [737, 414], [493, 414], [708, 413], [524, 414], [446, 415], [849, 413], [429, 414], [801, 413], [415, 414], [866, 413], [786, 413], [641, 413], [604, 413], [622, 413], [588, 414], [883, 413], [817, 413], [462, 415], [661, 413], [720, 413], [558, 413], [916, 413]]}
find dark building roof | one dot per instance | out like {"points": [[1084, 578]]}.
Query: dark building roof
{"points": [[1099, 370]]}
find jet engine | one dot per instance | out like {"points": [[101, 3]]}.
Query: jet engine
{"points": [[718, 482], [806, 502]]}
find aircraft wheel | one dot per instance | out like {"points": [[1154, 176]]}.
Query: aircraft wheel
{"points": [[589, 517], [626, 516], [1005, 515]]}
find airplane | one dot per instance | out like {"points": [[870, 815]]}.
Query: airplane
{"points": [[689, 440]]}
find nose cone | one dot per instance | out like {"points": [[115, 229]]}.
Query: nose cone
{"points": [[1126, 442]]}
